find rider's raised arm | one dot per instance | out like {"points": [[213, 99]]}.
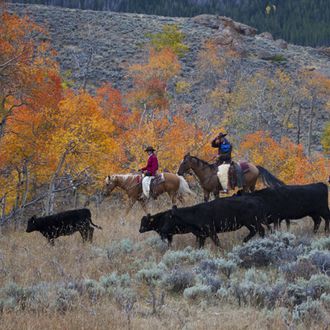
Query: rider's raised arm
{"points": [[215, 142]]}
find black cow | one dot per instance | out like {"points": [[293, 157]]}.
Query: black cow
{"points": [[207, 219], [294, 202], [64, 223]]}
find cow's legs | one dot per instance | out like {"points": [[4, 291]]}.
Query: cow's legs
{"points": [[169, 240], [287, 221], [201, 241], [51, 241], [317, 221], [83, 234], [90, 234], [326, 216], [253, 231], [215, 239], [261, 230]]}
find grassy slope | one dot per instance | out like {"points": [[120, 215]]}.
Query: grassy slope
{"points": [[27, 259]]}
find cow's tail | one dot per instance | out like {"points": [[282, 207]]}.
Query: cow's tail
{"points": [[93, 224], [269, 179], [184, 187]]}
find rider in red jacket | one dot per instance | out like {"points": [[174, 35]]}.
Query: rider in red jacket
{"points": [[152, 165]]}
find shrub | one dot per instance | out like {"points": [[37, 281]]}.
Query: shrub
{"points": [[123, 247], [303, 290], [93, 288], [213, 266], [152, 274], [178, 280], [15, 296], [65, 300], [186, 256], [114, 280], [321, 259], [309, 311], [322, 244], [211, 281], [197, 292], [275, 249], [156, 243], [325, 299], [303, 268]]}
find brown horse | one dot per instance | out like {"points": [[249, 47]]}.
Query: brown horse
{"points": [[207, 175], [175, 186]]}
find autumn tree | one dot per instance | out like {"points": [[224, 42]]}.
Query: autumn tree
{"points": [[26, 64], [326, 139], [170, 38], [316, 91], [286, 159]]}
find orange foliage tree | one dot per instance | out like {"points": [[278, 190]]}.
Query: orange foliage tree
{"points": [[27, 65], [286, 159]]}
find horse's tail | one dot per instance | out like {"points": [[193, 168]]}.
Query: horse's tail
{"points": [[184, 187], [269, 179]]}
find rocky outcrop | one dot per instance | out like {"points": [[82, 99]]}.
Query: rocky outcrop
{"points": [[223, 23]]}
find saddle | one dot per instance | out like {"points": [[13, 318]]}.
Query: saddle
{"points": [[155, 181], [236, 174]]}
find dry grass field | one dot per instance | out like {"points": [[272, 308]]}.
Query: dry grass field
{"points": [[117, 282]]}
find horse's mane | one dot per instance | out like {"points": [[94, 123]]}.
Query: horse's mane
{"points": [[201, 161]]}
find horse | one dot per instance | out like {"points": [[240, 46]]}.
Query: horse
{"points": [[175, 186], [207, 175]]}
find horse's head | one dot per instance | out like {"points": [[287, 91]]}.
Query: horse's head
{"points": [[110, 184], [185, 165]]}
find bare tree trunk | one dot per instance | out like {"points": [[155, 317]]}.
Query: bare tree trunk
{"points": [[26, 190], [3, 208], [298, 124], [143, 114], [310, 129], [51, 190]]}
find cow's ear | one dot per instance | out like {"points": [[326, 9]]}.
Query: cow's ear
{"points": [[33, 218], [188, 154], [149, 217]]}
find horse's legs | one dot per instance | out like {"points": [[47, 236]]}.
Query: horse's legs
{"points": [[173, 197], [206, 195], [181, 199], [131, 203]]}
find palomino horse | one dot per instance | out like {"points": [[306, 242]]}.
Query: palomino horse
{"points": [[175, 186], [207, 175]]}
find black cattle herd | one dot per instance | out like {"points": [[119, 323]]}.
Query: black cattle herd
{"points": [[252, 210]]}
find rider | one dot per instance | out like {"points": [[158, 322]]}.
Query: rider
{"points": [[150, 170], [223, 159], [225, 148], [152, 165]]}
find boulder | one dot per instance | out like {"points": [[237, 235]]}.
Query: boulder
{"points": [[265, 35], [210, 21], [280, 43], [240, 28]]}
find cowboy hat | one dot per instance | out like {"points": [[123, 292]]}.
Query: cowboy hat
{"points": [[222, 135], [149, 149]]}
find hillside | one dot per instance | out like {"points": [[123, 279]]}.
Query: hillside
{"points": [[96, 47], [302, 22]]}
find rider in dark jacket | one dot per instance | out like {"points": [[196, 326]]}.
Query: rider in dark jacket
{"points": [[225, 148]]}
